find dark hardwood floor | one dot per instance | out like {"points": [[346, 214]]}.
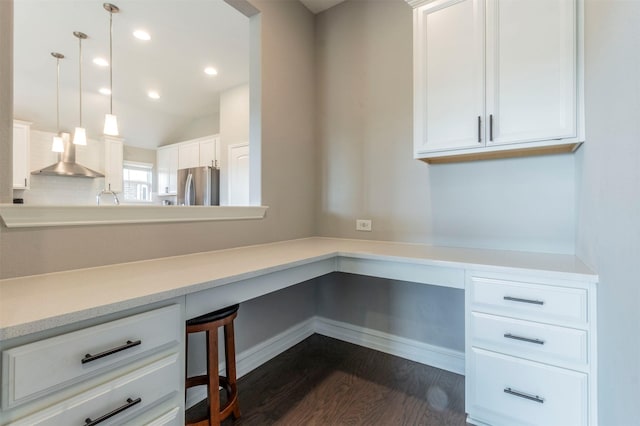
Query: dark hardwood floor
{"points": [[323, 381]]}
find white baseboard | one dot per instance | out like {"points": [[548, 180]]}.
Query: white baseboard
{"points": [[257, 355], [252, 358], [435, 356]]}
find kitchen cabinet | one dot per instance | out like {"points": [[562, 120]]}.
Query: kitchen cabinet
{"points": [[113, 164], [21, 148], [210, 151], [531, 350], [167, 160], [188, 155], [133, 365], [497, 78], [199, 152]]}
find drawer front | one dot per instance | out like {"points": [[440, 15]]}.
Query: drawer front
{"points": [[132, 394], [538, 302], [33, 370], [539, 342], [511, 391], [165, 415]]}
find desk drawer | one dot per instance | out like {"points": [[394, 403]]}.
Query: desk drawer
{"points": [[131, 393], [33, 370], [536, 341], [538, 302], [512, 391]]}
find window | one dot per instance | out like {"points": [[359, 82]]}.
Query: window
{"points": [[138, 181]]}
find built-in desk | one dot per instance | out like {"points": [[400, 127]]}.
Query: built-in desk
{"points": [[527, 290], [36, 303]]}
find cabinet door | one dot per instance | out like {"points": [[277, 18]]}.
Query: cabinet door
{"points": [[210, 152], [21, 136], [531, 70], [113, 164], [188, 155], [448, 75], [167, 158]]}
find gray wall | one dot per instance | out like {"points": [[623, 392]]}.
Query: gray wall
{"points": [[288, 187], [608, 220], [364, 55]]}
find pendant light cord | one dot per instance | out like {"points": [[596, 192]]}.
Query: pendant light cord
{"points": [[80, 71], [58, 95], [111, 62]]}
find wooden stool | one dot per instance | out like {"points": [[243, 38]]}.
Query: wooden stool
{"points": [[210, 323]]}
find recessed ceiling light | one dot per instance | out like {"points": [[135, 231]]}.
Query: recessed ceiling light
{"points": [[141, 35], [101, 62], [105, 91], [211, 71], [153, 94]]}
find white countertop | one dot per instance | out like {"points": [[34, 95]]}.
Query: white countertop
{"points": [[40, 302]]}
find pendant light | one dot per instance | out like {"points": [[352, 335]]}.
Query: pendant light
{"points": [[80, 134], [110, 120], [58, 144]]}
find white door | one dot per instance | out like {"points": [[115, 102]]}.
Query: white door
{"points": [[21, 135], [188, 155], [531, 70], [238, 175], [449, 75]]}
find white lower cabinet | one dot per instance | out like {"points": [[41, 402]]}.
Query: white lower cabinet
{"points": [[530, 350], [513, 391], [126, 370], [115, 401]]}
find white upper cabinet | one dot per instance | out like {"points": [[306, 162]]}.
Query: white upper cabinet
{"points": [[113, 164], [21, 142], [449, 75], [210, 151], [497, 78], [167, 159], [188, 155]]}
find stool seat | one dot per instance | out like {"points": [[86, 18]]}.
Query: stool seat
{"points": [[209, 324], [213, 316]]}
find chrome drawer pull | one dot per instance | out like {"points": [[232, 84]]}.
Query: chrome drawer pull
{"points": [[535, 398], [88, 357], [517, 299], [524, 339], [130, 403]]}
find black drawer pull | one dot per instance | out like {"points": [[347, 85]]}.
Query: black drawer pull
{"points": [[524, 339], [88, 357], [535, 398], [130, 403], [517, 299]]}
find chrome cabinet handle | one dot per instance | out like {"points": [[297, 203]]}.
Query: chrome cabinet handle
{"points": [[88, 357], [517, 299], [524, 339], [130, 403], [519, 394], [25, 182], [479, 129]]}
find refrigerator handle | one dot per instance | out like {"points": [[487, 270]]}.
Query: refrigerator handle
{"points": [[188, 187]]}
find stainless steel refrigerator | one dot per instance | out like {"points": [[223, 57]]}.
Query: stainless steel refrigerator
{"points": [[199, 186]]}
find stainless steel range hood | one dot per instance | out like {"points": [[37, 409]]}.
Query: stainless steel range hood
{"points": [[66, 165]]}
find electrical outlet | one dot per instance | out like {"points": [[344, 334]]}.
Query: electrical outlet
{"points": [[363, 225]]}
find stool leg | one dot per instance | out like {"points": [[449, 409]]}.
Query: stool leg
{"points": [[214, 380], [230, 362]]}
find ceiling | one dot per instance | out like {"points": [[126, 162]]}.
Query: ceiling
{"points": [[317, 6], [186, 36]]}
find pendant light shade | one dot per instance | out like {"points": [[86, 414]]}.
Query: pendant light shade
{"points": [[110, 125], [80, 134], [110, 120], [57, 145]]}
